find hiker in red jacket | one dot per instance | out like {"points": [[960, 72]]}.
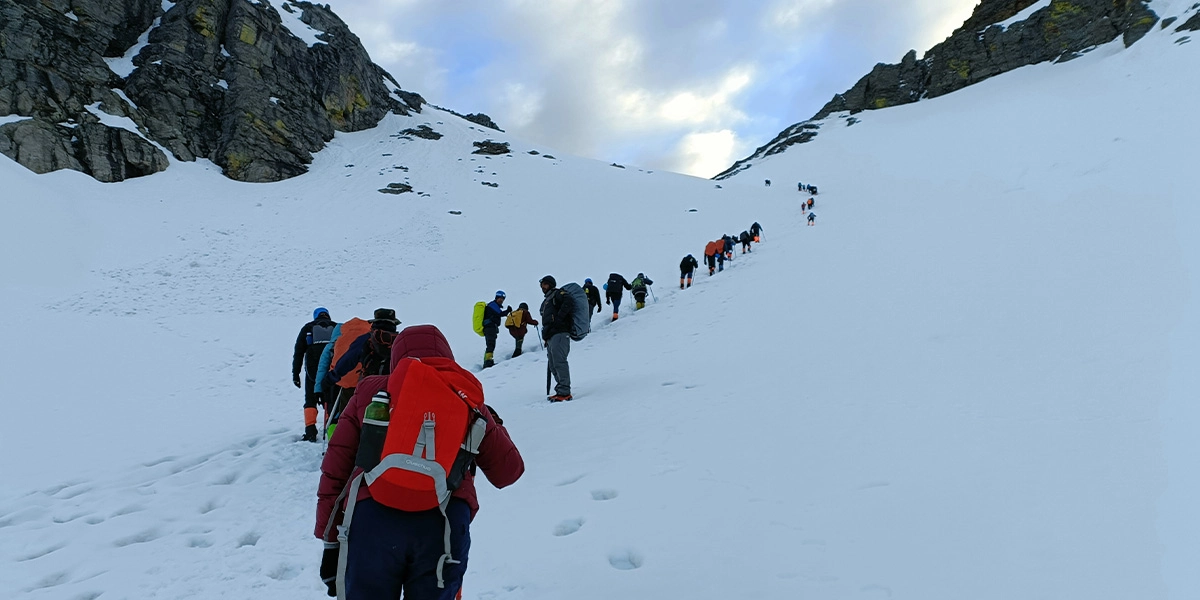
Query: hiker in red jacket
{"points": [[395, 551]]}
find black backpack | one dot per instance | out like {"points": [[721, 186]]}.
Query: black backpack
{"points": [[377, 356]]}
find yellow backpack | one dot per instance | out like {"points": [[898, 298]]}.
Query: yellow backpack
{"points": [[515, 318]]}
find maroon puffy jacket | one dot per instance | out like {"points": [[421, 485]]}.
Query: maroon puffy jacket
{"points": [[498, 456]]}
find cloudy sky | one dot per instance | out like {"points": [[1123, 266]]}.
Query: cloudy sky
{"points": [[682, 85]]}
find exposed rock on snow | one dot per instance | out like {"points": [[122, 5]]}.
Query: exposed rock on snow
{"points": [[424, 132], [396, 188], [1192, 24], [491, 148]]}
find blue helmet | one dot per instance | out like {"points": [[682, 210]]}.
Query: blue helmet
{"points": [[317, 312], [500, 294], [588, 280]]}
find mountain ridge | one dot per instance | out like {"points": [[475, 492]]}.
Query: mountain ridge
{"points": [[982, 48]]}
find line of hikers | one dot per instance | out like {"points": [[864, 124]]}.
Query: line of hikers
{"points": [[386, 390], [717, 252]]}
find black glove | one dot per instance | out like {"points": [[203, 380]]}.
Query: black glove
{"points": [[329, 566], [296, 380], [495, 417], [606, 301]]}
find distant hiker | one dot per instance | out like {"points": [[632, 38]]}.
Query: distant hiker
{"points": [[812, 218], [812, 189], [557, 310], [493, 316], [799, 187], [313, 338], [756, 231], [768, 182], [341, 392], [687, 268], [803, 207], [368, 354], [746, 240], [613, 290], [518, 325], [640, 285], [811, 202], [593, 295], [384, 523], [729, 244]]}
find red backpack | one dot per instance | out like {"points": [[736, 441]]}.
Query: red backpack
{"points": [[436, 404], [434, 430]]}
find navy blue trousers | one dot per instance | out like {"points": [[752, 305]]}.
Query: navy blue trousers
{"points": [[393, 551]]}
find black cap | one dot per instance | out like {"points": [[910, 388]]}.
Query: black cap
{"points": [[549, 280]]}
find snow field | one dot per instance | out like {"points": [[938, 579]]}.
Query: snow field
{"points": [[971, 379]]}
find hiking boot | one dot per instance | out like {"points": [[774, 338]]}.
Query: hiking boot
{"points": [[559, 398], [310, 434], [489, 363]]}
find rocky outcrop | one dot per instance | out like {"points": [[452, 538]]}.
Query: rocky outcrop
{"points": [[491, 148], [979, 50], [227, 80]]}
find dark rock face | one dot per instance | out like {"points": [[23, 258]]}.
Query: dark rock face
{"points": [[979, 50], [225, 80]]}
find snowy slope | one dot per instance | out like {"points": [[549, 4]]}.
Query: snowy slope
{"points": [[973, 378]]}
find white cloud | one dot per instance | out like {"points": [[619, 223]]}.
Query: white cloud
{"points": [[684, 84], [708, 153]]}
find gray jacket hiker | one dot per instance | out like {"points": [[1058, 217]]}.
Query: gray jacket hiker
{"points": [[557, 310]]}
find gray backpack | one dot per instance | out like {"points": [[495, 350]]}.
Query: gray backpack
{"points": [[581, 316]]}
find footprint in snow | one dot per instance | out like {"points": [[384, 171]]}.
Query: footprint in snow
{"points": [[249, 539], [284, 572], [148, 535], [606, 494], [209, 506], [568, 527], [569, 481], [625, 560]]}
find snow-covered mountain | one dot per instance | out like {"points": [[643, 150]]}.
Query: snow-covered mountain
{"points": [[972, 378]]}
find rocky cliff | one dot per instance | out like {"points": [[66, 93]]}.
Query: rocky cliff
{"points": [[110, 86], [985, 46]]}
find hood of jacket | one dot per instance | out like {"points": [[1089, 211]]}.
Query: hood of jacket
{"points": [[420, 341]]}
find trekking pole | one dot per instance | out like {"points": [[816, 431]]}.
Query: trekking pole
{"points": [[651, 288], [539, 332], [547, 372]]}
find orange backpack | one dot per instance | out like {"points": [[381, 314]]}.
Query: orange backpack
{"points": [[351, 330]]}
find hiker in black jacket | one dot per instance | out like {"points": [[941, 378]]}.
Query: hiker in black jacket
{"points": [[313, 338], [746, 240], [687, 268], [756, 231], [557, 319], [613, 290], [593, 295]]}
